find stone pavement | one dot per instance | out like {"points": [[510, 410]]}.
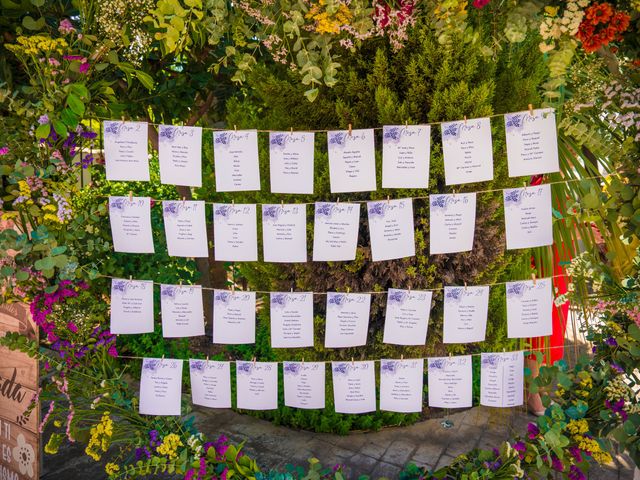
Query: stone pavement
{"points": [[383, 453], [378, 454]]}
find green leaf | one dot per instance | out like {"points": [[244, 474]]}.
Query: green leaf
{"points": [[60, 128], [69, 118], [75, 104], [312, 94], [145, 79], [58, 250], [43, 130], [31, 24], [37, 3], [634, 331]]}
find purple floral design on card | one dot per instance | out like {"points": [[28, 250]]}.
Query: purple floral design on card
{"points": [[278, 140], [168, 292], [513, 196], [278, 300], [291, 368], [324, 210], [171, 209], [270, 213], [490, 360], [222, 138], [397, 297], [112, 129], [453, 294], [336, 300], [341, 369], [223, 211], [198, 365], [337, 139], [437, 364], [167, 133], [244, 368], [451, 131], [515, 290], [514, 122], [222, 298], [439, 202], [376, 209], [391, 135], [118, 204], [119, 287], [151, 364], [389, 367]]}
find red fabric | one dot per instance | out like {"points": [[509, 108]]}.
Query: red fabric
{"points": [[560, 314]]}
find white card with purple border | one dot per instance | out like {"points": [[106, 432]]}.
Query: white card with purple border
{"points": [[391, 229], [130, 220], [182, 311], [160, 386], [180, 155], [335, 231], [467, 151], [284, 233], [291, 319], [347, 321], [452, 223], [401, 384], [131, 306], [465, 314], [237, 166], [354, 387], [210, 383], [235, 232], [185, 227], [530, 308], [257, 385], [528, 217], [532, 142], [291, 162], [126, 154], [352, 160], [407, 317], [501, 379], [234, 317], [304, 384], [405, 156], [450, 381]]}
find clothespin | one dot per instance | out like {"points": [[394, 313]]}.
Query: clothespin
{"points": [[401, 357], [302, 360], [162, 359], [388, 199], [465, 286], [348, 289], [207, 360], [130, 196], [533, 277], [291, 129], [524, 185], [254, 360], [184, 199], [233, 203], [406, 123], [130, 277], [350, 130], [450, 355], [281, 203], [465, 119], [291, 289], [531, 110], [235, 127], [353, 362], [233, 288], [504, 350], [180, 282], [338, 202]]}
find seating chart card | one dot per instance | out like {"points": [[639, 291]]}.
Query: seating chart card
{"points": [[465, 314], [407, 317], [131, 306], [405, 156], [126, 156], [391, 229], [180, 155], [528, 217], [284, 233], [210, 383], [450, 381], [347, 319], [160, 386], [304, 384], [130, 220], [452, 223], [235, 232], [530, 308], [234, 317], [335, 231], [291, 319], [185, 226], [291, 162], [354, 387], [237, 167], [502, 379], [401, 384], [182, 311], [468, 151], [532, 142], [257, 385], [352, 161]]}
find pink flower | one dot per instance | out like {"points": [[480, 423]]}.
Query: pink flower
{"points": [[4, 150], [72, 326], [480, 3], [84, 67], [66, 27], [54, 62]]}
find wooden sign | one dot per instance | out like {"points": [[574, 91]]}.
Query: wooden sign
{"points": [[19, 438]]}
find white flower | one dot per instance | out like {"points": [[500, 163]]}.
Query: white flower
{"points": [[25, 456]]}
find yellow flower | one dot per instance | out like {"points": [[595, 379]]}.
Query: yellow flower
{"points": [[111, 468], [169, 445], [551, 11], [577, 427], [100, 437]]}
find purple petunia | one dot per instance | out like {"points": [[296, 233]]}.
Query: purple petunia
{"points": [[533, 430], [611, 342]]}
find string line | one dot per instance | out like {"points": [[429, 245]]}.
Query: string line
{"points": [[222, 129], [422, 197], [384, 292]]}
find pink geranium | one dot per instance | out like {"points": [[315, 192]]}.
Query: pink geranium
{"points": [[66, 27]]}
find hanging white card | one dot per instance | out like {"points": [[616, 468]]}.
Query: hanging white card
{"points": [[335, 231], [257, 385], [405, 156], [452, 222], [237, 166], [180, 155], [210, 383], [528, 217], [352, 161], [532, 142], [126, 156], [284, 233], [185, 227], [467, 151], [391, 229], [235, 232], [354, 387], [450, 381], [530, 308], [465, 314], [501, 379], [160, 386], [401, 383], [182, 312], [234, 317], [347, 320], [291, 162], [407, 317], [291, 319], [304, 384], [131, 306], [130, 221]]}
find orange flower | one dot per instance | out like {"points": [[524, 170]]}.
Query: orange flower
{"points": [[620, 21], [599, 13]]}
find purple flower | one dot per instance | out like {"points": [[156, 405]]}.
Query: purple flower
{"points": [[616, 368], [520, 447], [576, 453], [617, 407], [43, 119], [557, 464], [84, 67], [66, 27], [4, 150], [575, 474], [533, 430], [611, 342]]}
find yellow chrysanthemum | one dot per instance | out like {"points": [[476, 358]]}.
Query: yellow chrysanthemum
{"points": [[111, 468]]}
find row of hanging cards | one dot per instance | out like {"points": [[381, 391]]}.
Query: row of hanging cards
{"points": [[529, 314], [467, 149], [450, 382], [528, 223]]}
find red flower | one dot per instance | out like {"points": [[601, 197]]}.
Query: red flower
{"points": [[599, 13], [585, 31], [480, 3], [591, 44], [620, 21]]}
